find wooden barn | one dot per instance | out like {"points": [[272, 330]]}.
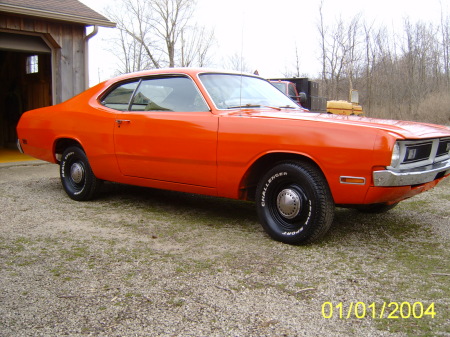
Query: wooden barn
{"points": [[43, 56]]}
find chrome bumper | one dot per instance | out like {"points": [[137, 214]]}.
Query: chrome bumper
{"points": [[19, 146], [416, 176]]}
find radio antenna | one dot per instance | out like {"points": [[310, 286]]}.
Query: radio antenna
{"points": [[242, 59]]}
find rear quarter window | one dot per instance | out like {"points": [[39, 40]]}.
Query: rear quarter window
{"points": [[119, 97]]}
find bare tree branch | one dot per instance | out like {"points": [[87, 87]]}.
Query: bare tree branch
{"points": [[160, 34]]}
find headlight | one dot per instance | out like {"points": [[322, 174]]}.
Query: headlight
{"points": [[395, 155]]}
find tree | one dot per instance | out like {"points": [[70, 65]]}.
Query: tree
{"points": [[445, 36], [340, 54], [401, 74], [158, 33], [196, 43], [236, 62]]}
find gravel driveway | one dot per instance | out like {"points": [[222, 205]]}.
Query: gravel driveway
{"points": [[144, 262]]}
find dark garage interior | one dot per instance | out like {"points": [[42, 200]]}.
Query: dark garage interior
{"points": [[43, 57], [26, 84]]}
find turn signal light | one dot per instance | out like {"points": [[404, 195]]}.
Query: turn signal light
{"points": [[353, 180]]}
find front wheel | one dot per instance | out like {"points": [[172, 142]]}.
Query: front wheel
{"points": [[294, 203], [76, 174]]}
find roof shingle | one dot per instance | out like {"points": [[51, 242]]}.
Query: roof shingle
{"points": [[66, 10]]}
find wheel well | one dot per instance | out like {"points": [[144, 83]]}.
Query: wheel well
{"points": [[261, 166], [62, 144]]}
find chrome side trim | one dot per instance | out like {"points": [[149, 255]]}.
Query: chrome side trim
{"points": [[415, 176], [19, 146]]}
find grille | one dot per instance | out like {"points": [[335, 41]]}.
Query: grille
{"points": [[443, 148], [417, 152]]}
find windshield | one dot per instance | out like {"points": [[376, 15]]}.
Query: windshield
{"points": [[230, 91]]}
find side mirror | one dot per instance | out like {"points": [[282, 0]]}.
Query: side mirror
{"points": [[302, 97]]}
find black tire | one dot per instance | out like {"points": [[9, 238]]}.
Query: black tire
{"points": [[376, 208], [76, 174], [294, 203]]}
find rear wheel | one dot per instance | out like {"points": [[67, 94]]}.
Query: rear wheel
{"points": [[76, 174], [294, 203]]}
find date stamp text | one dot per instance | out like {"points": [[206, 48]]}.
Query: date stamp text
{"points": [[389, 310]]}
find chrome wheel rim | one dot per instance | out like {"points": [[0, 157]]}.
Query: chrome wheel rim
{"points": [[77, 173], [289, 203]]}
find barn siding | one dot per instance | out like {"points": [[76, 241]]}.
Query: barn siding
{"points": [[79, 59], [68, 55]]}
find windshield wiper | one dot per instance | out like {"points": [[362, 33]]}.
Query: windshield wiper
{"points": [[244, 106], [289, 107], [254, 106]]}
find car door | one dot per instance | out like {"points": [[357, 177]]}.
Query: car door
{"points": [[167, 133]]}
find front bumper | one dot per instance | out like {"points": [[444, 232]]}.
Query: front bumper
{"points": [[410, 177]]}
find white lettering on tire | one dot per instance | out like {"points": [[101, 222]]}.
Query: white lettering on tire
{"points": [[306, 222], [272, 178], [63, 166]]}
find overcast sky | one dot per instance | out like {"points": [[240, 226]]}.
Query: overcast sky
{"points": [[266, 34]]}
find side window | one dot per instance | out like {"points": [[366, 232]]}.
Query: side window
{"points": [[175, 93], [119, 98], [291, 89]]}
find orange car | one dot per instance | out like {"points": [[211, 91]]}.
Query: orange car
{"points": [[236, 136]]}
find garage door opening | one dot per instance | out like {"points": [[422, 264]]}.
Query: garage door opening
{"points": [[26, 73]]}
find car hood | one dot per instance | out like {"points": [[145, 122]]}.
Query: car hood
{"points": [[405, 129]]}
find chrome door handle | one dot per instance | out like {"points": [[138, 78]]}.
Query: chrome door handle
{"points": [[120, 121]]}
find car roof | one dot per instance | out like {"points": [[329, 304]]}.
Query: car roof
{"points": [[188, 71]]}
